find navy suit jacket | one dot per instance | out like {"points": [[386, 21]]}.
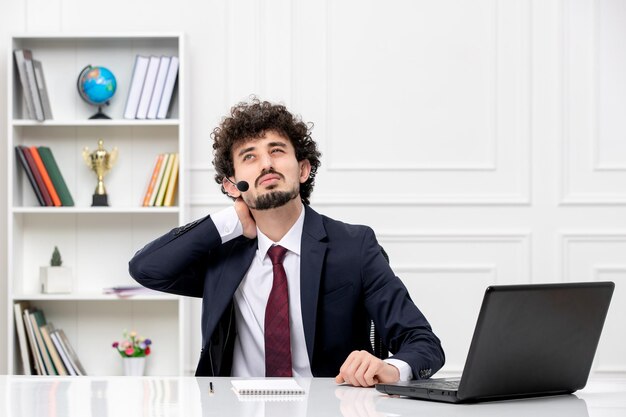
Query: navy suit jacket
{"points": [[345, 283]]}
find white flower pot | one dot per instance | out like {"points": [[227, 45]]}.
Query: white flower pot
{"points": [[134, 366], [56, 279]]}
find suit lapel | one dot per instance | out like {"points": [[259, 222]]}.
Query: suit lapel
{"points": [[313, 252]]}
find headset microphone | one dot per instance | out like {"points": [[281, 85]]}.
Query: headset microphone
{"points": [[242, 186]]}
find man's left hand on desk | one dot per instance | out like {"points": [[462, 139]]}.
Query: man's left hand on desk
{"points": [[362, 369]]}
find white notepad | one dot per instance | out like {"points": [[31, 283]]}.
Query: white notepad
{"points": [[267, 387]]}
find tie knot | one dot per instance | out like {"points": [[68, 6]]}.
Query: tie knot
{"points": [[277, 254]]}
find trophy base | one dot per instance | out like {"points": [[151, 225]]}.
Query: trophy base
{"points": [[100, 200]]}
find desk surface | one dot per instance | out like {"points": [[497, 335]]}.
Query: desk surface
{"points": [[190, 397]]}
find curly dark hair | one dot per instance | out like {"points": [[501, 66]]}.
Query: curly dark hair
{"points": [[252, 120]]}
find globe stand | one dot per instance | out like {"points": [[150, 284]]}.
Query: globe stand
{"points": [[99, 115]]}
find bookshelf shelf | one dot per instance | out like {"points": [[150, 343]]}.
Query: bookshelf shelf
{"points": [[95, 242], [92, 297], [95, 210], [95, 123]]}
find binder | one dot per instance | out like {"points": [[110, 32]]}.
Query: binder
{"points": [[168, 89], [159, 84], [136, 86], [148, 87]]}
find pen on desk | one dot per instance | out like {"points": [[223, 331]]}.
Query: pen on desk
{"points": [[211, 388]]}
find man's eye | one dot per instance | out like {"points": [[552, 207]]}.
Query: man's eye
{"points": [[277, 150], [247, 157]]}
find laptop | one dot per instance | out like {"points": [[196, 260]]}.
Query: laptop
{"points": [[530, 340]]}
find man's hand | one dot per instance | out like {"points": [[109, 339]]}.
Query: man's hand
{"points": [[246, 219], [362, 369]]}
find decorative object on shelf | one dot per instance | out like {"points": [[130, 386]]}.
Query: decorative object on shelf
{"points": [[96, 85], [100, 161], [133, 350], [56, 279]]}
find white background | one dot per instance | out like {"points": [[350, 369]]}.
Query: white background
{"points": [[484, 141]]}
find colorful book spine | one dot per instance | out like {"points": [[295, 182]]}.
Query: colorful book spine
{"points": [[18, 309], [19, 153], [46, 329], [37, 175], [164, 182], [153, 179], [46, 178], [55, 176], [159, 180], [171, 184], [37, 319]]}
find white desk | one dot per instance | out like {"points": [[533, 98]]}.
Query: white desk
{"points": [[190, 397]]}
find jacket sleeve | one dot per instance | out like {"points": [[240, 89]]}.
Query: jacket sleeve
{"points": [[403, 327], [176, 262]]}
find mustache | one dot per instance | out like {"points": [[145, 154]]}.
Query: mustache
{"points": [[265, 172]]}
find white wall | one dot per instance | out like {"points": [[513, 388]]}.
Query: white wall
{"points": [[483, 140]]}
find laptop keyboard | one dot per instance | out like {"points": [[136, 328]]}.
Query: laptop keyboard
{"points": [[442, 384]]}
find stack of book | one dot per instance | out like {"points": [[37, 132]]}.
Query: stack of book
{"points": [[33, 83], [44, 350], [44, 175], [126, 291], [162, 184], [151, 87]]}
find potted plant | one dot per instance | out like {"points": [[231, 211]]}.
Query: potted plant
{"points": [[55, 278], [134, 350]]}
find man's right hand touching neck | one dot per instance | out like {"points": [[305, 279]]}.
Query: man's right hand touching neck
{"points": [[245, 217]]}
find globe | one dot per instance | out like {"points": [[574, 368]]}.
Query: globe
{"points": [[96, 85]]}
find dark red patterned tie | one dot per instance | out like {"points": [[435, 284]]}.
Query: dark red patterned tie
{"points": [[277, 335]]}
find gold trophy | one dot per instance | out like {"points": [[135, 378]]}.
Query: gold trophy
{"points": [[100, 161]]}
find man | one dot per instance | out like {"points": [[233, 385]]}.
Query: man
{"points": [[286, 291]]}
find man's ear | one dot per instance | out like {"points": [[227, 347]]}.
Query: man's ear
{"points": [[230, 188], [305, 170]]}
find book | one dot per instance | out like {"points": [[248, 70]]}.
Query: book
{"points": [[165, 180], [171, 183], [168, 89], [283, 386], [124, 291], [30, 333], [20, 64], [32, 84], [78, 367], [64, 355], [18, 310], [44, 175], [19, 153], [136, 86], [153, 179], [42, 89], [159, 84], [55, 175], [159, 179], [148, 87], [46, 329], [38, 179], [37, 319]]}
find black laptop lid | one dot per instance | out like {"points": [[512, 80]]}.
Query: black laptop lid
{"points": [[535, 339]]}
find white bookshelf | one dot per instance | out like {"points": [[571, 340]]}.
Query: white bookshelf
{"points": [[96, 242]]}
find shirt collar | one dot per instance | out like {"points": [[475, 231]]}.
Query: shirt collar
{"points": [[291, 241]]}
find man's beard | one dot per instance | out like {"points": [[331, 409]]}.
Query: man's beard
{"points": [[275, 199]]}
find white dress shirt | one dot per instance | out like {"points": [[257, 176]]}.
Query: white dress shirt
{"points": [[251, 299]]}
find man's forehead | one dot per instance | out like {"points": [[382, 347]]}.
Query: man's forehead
{"points": [[252, 142]]}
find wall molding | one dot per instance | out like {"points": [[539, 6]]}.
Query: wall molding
{"points": [[567, 238], [568, 198]]}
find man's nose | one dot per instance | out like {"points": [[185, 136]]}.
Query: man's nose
{"points": [[266, 161]]}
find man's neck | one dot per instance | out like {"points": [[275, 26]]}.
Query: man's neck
{"points": [[275, 223]]}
